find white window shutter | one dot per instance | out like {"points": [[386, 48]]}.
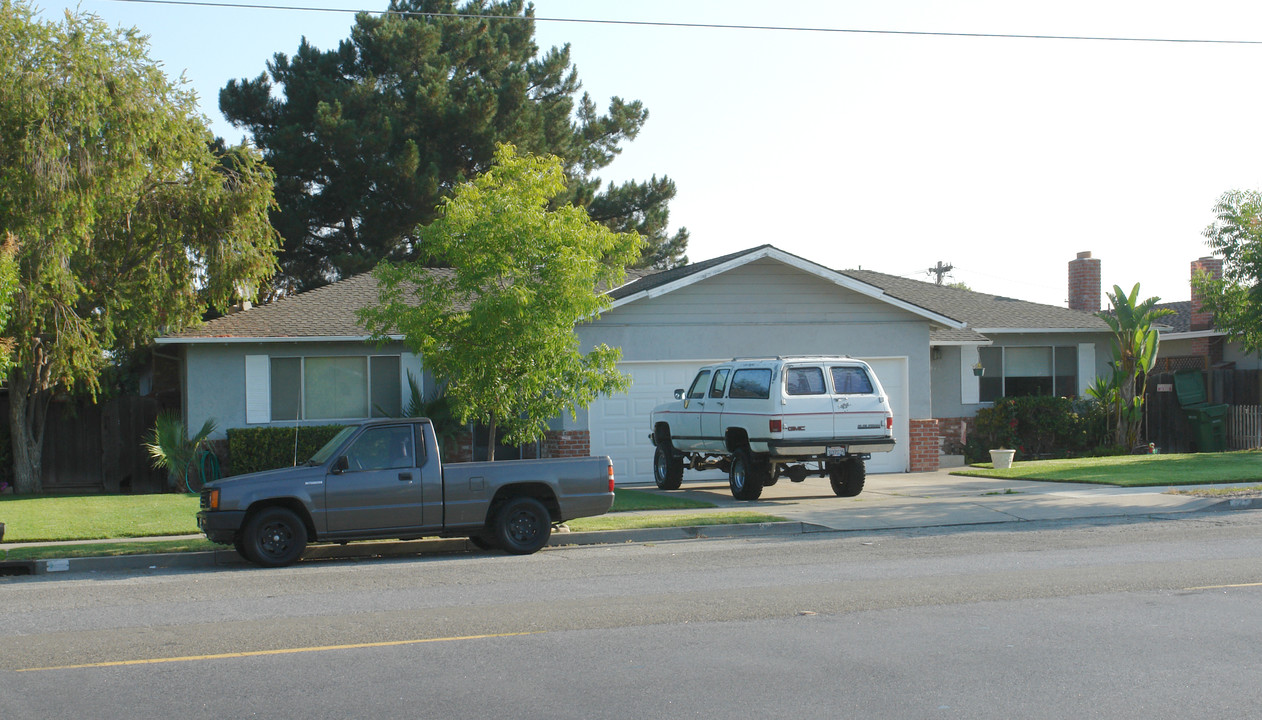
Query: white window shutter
{"points": [[970, 384], [1086, 367], [258, 390]]}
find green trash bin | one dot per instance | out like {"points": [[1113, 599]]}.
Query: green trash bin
{"points": [[1208, 421]]}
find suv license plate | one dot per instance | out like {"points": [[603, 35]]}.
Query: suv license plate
{"points": [[836, 450]]}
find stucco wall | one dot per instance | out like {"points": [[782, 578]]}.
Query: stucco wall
{"points": [[767, 308], [214, 376]]}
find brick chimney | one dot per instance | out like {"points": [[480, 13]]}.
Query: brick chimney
{"points": [[1202, 320], [1084, 283]]}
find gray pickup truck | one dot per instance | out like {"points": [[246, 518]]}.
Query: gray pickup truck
{"points": [[385, 479]]}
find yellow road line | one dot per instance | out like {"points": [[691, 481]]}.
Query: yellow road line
{"points": [[283, 651], [1220, 587]]}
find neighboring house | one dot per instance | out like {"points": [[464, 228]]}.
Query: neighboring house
{"points": [[307, 357], [1189, 339]]}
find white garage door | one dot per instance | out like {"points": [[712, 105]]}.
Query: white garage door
{"points": [[619, 425]]}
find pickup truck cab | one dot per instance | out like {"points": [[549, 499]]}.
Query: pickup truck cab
{"points": [[760, 419], [385, 479]]}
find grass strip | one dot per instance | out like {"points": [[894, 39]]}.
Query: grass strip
{"points": [[1135, 470], [625, 500], [636, 522]]}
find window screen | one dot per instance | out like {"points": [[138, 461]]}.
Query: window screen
{"points": [[286, 385], [804, 381], [851, 381], [386, 390], [335, 387], [751, 383]]}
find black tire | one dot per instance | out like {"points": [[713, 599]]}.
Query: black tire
{"points": [[522, 526], [747, 476], [668, 467], [847, 477], [274, 537], [772, 479], [484, 541]]}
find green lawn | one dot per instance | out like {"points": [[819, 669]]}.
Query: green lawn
{"points": [[104, 517], [1136, 470]]}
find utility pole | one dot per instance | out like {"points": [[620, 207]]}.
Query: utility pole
{"points": [[940, 270]]}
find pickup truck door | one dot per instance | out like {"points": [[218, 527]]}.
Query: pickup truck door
{"points": [[380, 486], [712, 413]]}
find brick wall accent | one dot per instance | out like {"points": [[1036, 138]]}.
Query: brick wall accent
{"points": [[1202, 320], [567, 443], [1084, 283], [954, 432], [924, 445]]}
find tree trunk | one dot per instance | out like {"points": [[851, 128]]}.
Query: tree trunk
{"points": [[26, 428], [490, 439]]}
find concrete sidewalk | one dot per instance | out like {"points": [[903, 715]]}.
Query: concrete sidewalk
{"points": [[888, 502]]}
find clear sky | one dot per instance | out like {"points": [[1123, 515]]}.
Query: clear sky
{"points": [[1003, 157]]}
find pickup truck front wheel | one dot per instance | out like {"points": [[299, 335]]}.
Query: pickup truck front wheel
{"points": [[668, 468], [747, 475], [522, 526], [273, 537]]}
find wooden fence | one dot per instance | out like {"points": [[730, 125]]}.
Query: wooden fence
{"points": [[91, 448], [1244, 427], [1166, 424]]}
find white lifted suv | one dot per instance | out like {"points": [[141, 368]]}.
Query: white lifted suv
{"points": [[760, 419]]}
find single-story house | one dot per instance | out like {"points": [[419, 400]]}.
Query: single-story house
{"points": [[1189, 339], [306, 359]]}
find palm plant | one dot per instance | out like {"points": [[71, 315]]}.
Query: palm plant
{"points": [[172, 449], [1134, 354]]}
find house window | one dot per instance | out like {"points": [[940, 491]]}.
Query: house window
{"points": [[335, 388], [1025, 371]]}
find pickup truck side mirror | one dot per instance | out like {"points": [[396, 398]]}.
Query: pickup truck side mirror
{"points": [[340, 465], [679, 393]]}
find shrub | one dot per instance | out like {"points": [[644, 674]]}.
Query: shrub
{"points": [[1040, 426], [254, 449]]}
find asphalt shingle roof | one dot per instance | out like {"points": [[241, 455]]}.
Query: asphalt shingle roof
{"points": [[330, 311]]}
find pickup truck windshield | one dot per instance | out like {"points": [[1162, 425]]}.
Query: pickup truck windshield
{"points": [[323, 454]]}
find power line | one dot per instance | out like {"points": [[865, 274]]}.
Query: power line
{"points": [[703, 26]]}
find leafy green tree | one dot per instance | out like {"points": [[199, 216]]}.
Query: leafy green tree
{"points": [[128, 218], [366, 139], [8, 289], [1235, 299], [498, 325], [1134, 354]]}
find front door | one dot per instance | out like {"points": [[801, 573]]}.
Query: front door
{"points": [[381, 488], [712, 415]]}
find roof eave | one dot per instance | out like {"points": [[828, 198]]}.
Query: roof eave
{"points": [[204, 340]]}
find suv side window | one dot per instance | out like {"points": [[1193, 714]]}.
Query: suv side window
{"points": [[751, 383], [851, 381], [804, 381], [720, 382], [697, 390]]}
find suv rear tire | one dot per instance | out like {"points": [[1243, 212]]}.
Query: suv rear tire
{"points": [[847, 477], [747, 475]]}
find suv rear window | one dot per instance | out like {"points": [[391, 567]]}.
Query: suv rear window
{"points": [[851, 381], [804, 381], [751, 383]]}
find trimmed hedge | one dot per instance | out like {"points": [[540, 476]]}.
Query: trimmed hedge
{"points": [[254, 449], [1039, 427]]}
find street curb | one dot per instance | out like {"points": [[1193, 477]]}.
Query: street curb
{"points": [[403, 548], [1245, 503]]}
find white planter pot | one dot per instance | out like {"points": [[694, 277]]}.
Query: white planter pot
{"points": [[1002, 459]]}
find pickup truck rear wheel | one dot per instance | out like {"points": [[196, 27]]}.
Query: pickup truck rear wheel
{"points": [[668, 468], [747, 476], [522, 526], [847, 477], [273, 537]]}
